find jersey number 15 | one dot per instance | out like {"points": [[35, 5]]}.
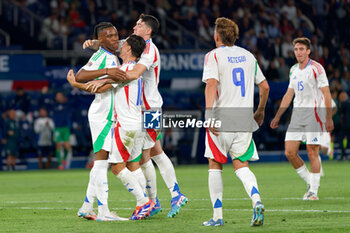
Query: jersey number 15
{"points": [[240, 83], [300, 86]]}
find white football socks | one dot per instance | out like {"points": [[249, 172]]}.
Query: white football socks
{"points": [[90, 192], [250, 184], [140, 178], [216, 189], [167, 171], [130, 183], [101, 186], [314, 182], [304, 173], [151, 180]]}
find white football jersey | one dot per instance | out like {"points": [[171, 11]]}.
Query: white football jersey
{"points": [[308, 96], [128, 101], [236, 70], [102, 106], [151, 59], [307, 83]]}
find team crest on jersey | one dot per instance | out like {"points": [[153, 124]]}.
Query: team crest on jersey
{"points": [[295, 77], [152, 119], [90, 63], [113, 64]]}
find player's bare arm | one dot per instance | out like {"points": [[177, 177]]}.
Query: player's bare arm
{"points": [[101, 85], [136, 72], [264, 90], [210, 92], [88, 75], [72, 81], [328, 103], [91, 44], [287, 99], [95, 86]]}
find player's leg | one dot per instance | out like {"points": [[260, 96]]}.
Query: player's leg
{"points": [[241, 150], [59, 155], [325, 148], [315, 175], [148, 169], [40, 157], [97, 187], [134, 167], [59, 144], [13, 161], [129, 181], [216, 189], [8, 162], [216, 154], [167, 171], [150, 174], [144, 204], [248, 180], [250, 184], [48, 157], [67, 148], [327, 151], [98, 182], [291, 152], [122, 153]]}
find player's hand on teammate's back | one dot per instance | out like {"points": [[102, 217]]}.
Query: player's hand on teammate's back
{"points": [[329, 125], [117, 74], [259, 116], [92, 44], [274, 123]]}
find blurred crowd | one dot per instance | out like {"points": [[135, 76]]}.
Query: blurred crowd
{"points": [[44, 125], [267, 27]]}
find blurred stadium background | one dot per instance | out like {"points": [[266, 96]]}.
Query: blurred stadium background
{"points": [[40, 40]]}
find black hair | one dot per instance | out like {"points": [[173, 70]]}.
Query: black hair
{"points": [[99, 27], [137, 45], [151, 22]]}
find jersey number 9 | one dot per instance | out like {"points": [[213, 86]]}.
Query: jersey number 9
{"points": [[240, 83]]}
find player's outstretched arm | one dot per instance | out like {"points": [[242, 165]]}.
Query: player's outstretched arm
{"points": [[88, 75], [264, 90], [136, 72], [91, 44], [287, 99], [328, 103], [96, 86]]}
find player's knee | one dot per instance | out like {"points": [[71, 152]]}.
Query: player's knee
{"points": [[116, 168], [156, 150], [312, 150], [290, 153]]}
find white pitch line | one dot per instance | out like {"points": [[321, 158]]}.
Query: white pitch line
{"points": [[236, 210], [195, 199]]}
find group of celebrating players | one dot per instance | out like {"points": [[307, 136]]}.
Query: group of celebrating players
{"points": [[124, 90]]}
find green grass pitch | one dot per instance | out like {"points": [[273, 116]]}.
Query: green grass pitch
{"points": [[47, 201]]}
